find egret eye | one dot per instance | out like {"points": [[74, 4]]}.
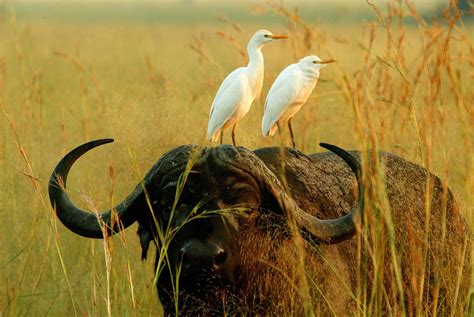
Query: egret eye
{"points": [[266, 35]]}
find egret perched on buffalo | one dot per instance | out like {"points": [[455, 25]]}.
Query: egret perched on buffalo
{"points": [[289, 93], [239, 89]]}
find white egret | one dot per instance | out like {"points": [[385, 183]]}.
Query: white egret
{"points": [[289, 93], [239, 89]]}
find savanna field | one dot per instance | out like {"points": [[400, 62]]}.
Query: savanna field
{"points": [[402, 84]]}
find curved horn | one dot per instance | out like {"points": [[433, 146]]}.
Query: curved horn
{"points": [[335, 230], [75, 219], [325, 231]]}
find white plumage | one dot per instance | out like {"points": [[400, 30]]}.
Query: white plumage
{"points": [[239, 89], [289, 93]]}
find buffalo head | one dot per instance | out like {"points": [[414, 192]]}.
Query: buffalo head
{"points": [[194, 205]]}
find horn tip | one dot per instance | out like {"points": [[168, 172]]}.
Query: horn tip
{"points": [[326, 145], [101, 141]]}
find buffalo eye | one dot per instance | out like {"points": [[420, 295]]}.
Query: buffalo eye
{"points": [[166, 210], [240, 193], [166, 204], [242, 188]]}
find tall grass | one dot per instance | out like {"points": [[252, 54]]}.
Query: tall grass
{"points": [[399, 87]]}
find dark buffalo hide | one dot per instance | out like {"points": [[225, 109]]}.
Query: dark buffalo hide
{"points": [[275, 231]]}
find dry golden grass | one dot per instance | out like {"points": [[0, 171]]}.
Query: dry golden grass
{"points": [[398, 88]]}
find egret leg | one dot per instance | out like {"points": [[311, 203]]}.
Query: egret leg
{"points": [[222, 136], [233, 134], [291, 133], [280, 134]]}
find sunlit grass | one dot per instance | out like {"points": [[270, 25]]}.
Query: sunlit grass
{"points": [[396, 88]]}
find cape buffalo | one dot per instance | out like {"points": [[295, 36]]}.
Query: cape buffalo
{"points": [[273, 231]]}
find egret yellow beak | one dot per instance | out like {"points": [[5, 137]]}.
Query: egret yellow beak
{"points": [[278, 37], [327, 61]]}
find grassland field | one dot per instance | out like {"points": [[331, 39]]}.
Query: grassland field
{"points": [[149, 86]]}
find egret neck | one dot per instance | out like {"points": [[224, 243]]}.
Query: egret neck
{"points": [[309, 72], [255, 67]]}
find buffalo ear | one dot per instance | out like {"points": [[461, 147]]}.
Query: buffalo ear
{"points": [[271, 217], [145, 238], [269, 202]]}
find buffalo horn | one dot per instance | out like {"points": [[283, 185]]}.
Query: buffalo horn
{"points": [[84, 223], [333, 230]]}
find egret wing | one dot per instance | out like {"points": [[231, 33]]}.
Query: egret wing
{"points": [[283, 93], [230, 95], [225, 85]]}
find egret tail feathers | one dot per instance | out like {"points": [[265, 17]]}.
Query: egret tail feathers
{"points": [[269, 131], [213, 136], [273, 129]]}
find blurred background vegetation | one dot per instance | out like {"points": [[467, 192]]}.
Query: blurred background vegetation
{"points": [[145, 73]]}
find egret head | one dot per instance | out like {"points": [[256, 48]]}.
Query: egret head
{"points": [[314, 62], [264, 36]]}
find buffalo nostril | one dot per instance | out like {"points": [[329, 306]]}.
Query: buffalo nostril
{"points": [[220, 258], [198, 255]]}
